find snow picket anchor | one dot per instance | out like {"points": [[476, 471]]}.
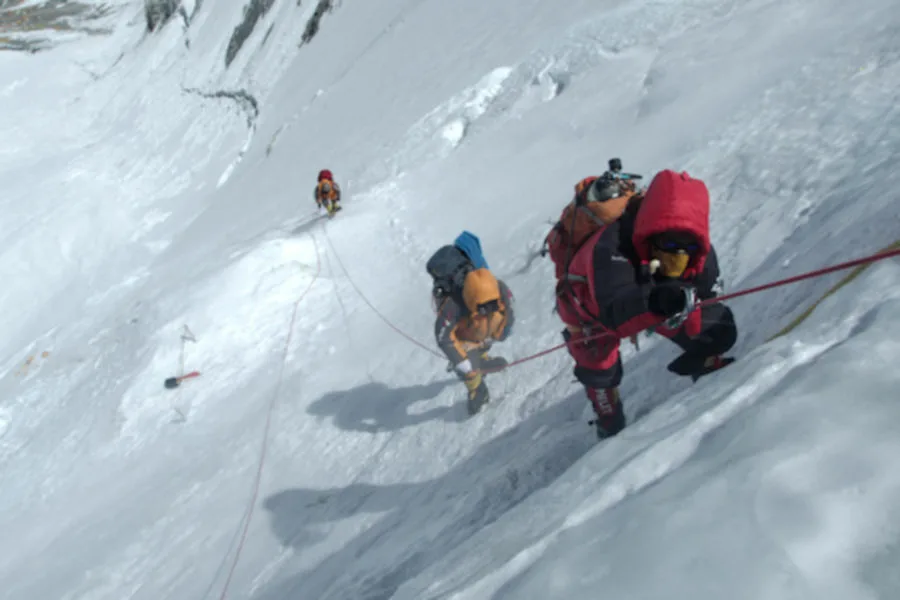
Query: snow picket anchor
{"points": [[173, 382]]}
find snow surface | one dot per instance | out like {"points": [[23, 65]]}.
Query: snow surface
{"points": [[147, 188]]}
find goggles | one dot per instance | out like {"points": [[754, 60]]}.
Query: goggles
{"points": [[487, 308], [676, 244]]}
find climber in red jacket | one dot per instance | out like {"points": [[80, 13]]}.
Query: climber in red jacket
{"points": [[654, 262]]}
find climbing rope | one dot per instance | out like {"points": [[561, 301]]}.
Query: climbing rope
{"points": [[244, 526], [809, 275], [345, 315], [373, 307], [263, 451], [659, 320]]}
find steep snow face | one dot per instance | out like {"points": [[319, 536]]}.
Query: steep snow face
{"points": [[322, 453]]}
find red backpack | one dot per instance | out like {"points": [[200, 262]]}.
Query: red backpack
{"points": [[576, 303]]}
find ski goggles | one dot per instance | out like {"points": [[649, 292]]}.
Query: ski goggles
{"points": [[675, 244], [487, 308]]}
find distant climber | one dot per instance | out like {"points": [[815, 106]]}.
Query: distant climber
{"points": [[650, 259], [327, 193], [474, 309]]}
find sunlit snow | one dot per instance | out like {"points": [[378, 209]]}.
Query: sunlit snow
{"points": [[146, 187]]}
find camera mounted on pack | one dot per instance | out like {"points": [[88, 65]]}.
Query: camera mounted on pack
{"points": [[609, 185], [615, 171]]}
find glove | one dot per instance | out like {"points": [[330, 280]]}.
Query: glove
{"points": [[674, 301], [667, 299], [463, 369]]}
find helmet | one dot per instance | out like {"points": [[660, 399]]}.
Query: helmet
{"points": [[325, 174], [603, 189]]}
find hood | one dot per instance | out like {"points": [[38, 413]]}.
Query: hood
{"points": [[674, 201], [480, 287]]}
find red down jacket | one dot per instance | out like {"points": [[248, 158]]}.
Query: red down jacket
{"points": [[609, 281]]}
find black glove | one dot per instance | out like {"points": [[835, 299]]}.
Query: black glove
{"points": [[667, 299]]}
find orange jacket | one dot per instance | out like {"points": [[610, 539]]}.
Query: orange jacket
{"points": [[458, 331], [327, 191]]}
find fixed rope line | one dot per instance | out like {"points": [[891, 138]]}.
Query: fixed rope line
{"points": [[268, 424], [372, 306], [809, 275], [659, 321], [344, 314], [746, 292]]}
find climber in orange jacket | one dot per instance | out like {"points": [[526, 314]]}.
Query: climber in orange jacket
{"points": [[327, 193], [474, 310]]}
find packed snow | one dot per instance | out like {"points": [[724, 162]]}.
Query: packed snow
{"points": [[324, 451]]}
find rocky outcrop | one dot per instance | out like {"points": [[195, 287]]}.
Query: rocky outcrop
{"points": [[158, 12], [312, 26], [253, 12]]}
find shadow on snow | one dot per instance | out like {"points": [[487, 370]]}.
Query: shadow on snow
{"points": [[374, 407], [411, 525]]}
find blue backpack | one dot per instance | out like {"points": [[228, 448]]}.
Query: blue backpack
{"points": [[471, 246]]}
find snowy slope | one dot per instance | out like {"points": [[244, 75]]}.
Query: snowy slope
{"points": [[148, 187]]}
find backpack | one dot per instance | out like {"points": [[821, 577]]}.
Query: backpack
{"points": [[326, 190], [582, 218], [448, 268], [574, 226], [471, 246], [462, 271], [575, 299]]}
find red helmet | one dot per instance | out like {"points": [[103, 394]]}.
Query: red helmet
{"points": [[325, 174]]}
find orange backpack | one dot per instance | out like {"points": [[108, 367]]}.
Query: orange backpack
{"points": [[580, 220], [327, 190]]}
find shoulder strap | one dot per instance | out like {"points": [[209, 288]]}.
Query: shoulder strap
{"points": [[582, 260], [590, 214]]}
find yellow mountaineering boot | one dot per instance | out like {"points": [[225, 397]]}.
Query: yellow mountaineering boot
{"points": [[478, 392]]}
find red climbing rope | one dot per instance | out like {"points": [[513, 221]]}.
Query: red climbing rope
{"points": [[768, 286], [372, 306], [810, 275], [268, 425], [781, 282]]}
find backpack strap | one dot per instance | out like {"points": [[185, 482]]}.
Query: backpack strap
{"points": [[585, 210]]}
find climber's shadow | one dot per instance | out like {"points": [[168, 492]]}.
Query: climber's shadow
{"points": [[374, 407]]}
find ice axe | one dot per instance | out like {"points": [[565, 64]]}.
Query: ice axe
{"points": [[173, 382]]}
